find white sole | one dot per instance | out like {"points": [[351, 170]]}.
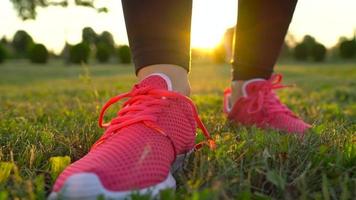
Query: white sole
{"points": [[88, 185]]}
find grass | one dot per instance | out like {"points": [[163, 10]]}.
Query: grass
{"points": [[48, 118]]}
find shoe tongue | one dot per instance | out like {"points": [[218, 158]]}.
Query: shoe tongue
{"points": [[251, 86], [158, 81]]}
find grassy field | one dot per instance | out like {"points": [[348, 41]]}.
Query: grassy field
{"points": [[48, 118]]}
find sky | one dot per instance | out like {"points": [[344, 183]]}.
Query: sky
{"points": [[326, 20]]}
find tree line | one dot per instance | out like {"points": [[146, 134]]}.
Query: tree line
{"points": [[308, 49], [100, 47]]}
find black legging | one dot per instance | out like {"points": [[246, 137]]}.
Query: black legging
{"points": [[159, 33]]}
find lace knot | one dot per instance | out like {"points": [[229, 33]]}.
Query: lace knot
{"points": [[142, 105], [266, 98]]}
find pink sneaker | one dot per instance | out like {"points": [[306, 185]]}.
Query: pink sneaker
{"points": [[140, 148], [261, 107]]}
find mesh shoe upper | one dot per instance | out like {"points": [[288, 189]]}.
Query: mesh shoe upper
{"points": [[261, 107], [139, 145]]}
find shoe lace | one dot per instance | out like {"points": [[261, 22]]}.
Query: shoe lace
{"points": [[141, 107], [266, 99]]}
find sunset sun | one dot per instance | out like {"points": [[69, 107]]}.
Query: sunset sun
{"points": [[210, 21]]}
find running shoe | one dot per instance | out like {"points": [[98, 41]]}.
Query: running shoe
{"points": [[260, 106], [141, 147]]}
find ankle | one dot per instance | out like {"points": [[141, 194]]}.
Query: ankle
{"points": [[236, 90], [177, 74]]}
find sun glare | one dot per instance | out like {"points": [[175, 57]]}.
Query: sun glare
{"points": [[210, 21]]}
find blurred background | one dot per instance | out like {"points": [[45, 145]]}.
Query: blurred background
{"points": [[94, 31], [60, 60]]}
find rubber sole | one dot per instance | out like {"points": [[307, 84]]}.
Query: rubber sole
{"points": [[88, 185]]}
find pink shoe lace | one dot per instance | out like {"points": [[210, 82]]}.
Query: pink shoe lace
{"points": [[141, 107], [266, 98]]}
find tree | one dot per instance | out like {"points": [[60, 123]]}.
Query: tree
{"points": [[124, 54], [65, 52], [310, 48], [318, 52], [103, 53], [38, 53], [4, 41], [107, 39], [26, 9], [79, 53], [3, 53], [301, 52], [309, 41], [89, 36], [347, 49], [21, 42]]}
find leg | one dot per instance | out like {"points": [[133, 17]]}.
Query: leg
{"points": [[261, 28], [260, 32], [159, 37], [259, 35], [156, 127]]}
